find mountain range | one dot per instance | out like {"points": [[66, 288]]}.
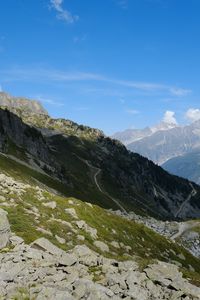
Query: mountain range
{"points": [[82, 217], [169, 145]]}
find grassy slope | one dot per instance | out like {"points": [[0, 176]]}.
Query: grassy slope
{"points": [[144, 243]]}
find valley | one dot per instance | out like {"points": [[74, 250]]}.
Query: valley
{"points": [[90, 214]]}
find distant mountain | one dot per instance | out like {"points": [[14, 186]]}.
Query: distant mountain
{"points": [[187, 166], [163, 141], [14, 103], [129, 136], [164, 145], [82, 162], [163, 126]]}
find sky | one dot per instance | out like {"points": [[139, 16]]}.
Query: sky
{"points": [[109, 64]]}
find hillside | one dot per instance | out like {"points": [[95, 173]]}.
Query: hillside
{"points": [[95, 168], [62, 247], [187, 166], [75, 221]]}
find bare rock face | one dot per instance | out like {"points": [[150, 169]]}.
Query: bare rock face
{"points": [[4, 229], [31, 106]]}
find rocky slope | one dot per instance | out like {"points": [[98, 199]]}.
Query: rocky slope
{"points": [[82, 162], [57, 248], [186, 234], [43, 271]]}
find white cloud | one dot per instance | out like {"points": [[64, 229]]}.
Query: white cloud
{"points": [[193, 114], [132, 111], [1, 90], [63, 14], [169, 117]]}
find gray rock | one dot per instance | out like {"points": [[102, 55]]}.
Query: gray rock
{"points": [[71, 212], [51, 204], [16, 240], [44, 245], [50, 293], [60, 240], [4, 229], [102, 246], [164, 273], [67, 259]]}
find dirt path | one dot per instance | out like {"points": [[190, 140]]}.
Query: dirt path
{"points": [[193, 193], [183, 227], [98, 171], [95, 173]]}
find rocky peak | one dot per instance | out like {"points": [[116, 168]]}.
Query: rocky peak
{"points": [[163, 126], [21, 103]]}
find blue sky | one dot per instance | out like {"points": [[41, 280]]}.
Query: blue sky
{"points": [[109, 64]]}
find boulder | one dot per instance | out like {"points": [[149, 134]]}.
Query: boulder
{"points": [[4, 229], [67, 259], [51, 204], [102, 246], [71, 212], [164, 273], [45, 245]]}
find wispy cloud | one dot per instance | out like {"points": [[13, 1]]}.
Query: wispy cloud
{"points": [[179, 91], [80, 39], [48, 101], [51, 75], [132, 111], [81, 108], [63, 14], [123, 3]]}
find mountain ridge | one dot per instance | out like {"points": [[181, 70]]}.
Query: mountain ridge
{"points": [[31, 106], [68, 153], [75, 221]]}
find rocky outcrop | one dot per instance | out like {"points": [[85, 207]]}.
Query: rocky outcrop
{"points": [[4, 229], [31, 106]]}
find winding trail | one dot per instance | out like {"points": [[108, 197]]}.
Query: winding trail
{"points": [[95, 173], [183, 227], [193, 193]]}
